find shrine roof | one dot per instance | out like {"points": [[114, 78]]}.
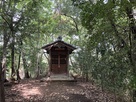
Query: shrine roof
{"points": [[57, 43]]}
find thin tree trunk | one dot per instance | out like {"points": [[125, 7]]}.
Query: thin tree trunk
{"points": [[27, 74], [12, 56], [132, 39], [3, 58], [25, 66], [38, 40], [18, 76], [38, 68], [12, 29], [102, 76], [2, 74], [2, 93], [3, 65], [86, 76], [87, 70]]}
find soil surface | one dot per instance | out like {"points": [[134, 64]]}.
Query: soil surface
{"points": [[35, 91]]}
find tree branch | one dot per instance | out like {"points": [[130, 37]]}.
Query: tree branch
{"points": [[5, 20], [76, 25], [116, 32]]}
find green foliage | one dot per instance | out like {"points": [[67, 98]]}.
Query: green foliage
{"points": [[110, 26]]}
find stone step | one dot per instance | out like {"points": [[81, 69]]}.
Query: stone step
{"points": [[59, 78]]}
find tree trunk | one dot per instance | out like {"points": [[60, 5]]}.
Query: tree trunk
{"points": [[132, 40], [37, 66], [12, 56], [25, 66], [3, 65], [38, 40], [17, 71], [86, 76], [12, 62], [27, 74], [2, 74], [2, 93]]}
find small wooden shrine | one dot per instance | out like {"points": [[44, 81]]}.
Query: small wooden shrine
{"points": [[58, 56]]}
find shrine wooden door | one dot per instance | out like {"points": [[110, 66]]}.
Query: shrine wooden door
{"points": [[59, 62]]}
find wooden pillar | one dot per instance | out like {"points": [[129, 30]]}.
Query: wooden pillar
{"points": [[67, 59], [58, 59], [50, 62]]}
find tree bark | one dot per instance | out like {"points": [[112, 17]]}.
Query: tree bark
{"points": [[2, 93], [13, 54], [12, 61], [86, 76], [17, 71], [27, 74], [132, 37], [3, 64], [132, 40], [25, 66], [3, 57]]}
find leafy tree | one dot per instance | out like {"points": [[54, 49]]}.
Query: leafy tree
{"points": [[111, 35]]}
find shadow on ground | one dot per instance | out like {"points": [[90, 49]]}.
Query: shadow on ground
{"points": [[36, 91]]}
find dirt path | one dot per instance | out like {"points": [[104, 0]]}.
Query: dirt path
{"points": [[36, 91]]}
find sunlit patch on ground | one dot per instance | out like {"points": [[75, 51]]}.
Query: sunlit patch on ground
{"points": [[27, 93], [36, 91], [27, 90]]}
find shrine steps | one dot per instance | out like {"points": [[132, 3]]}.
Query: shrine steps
{"points": [[59, 78]]}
